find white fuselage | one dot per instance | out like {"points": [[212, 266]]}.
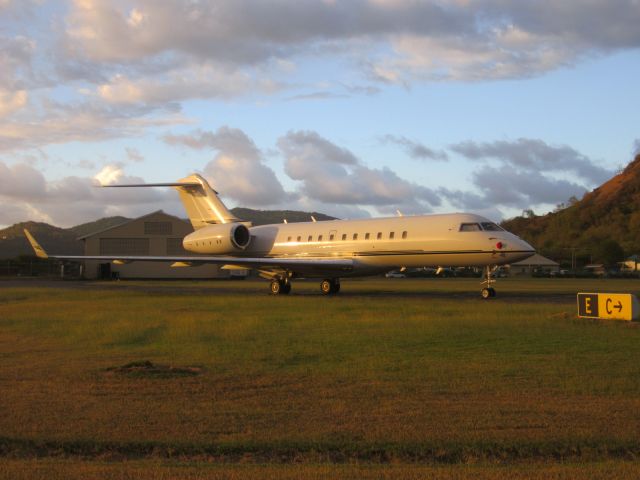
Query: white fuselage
{"points": [[381, 244]]}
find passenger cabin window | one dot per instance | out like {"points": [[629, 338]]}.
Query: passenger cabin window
{"points": [[331, 237], [355, 236], [490, 227], [344, 236], [379, 236], [391, 235], [288, 239], [310, 238], [404, 235], [469, 227], [299, 238], [366, 236], [319, 238]]}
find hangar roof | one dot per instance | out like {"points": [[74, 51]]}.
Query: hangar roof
{"points": [[93, 234], [538, 260]]}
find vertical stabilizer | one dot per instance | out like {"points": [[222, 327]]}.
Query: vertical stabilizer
{"points": [[202, 203]]}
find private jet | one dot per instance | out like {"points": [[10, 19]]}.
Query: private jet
{"points": [[328, 250]]}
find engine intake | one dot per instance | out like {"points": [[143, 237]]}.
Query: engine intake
{"points": [[218, 239]]}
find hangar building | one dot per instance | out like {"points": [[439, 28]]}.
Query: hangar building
{"points": [[535, 263], [155, 234]]}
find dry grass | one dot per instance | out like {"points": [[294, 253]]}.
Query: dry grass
{"points": [[97, 470], [369, 376]]}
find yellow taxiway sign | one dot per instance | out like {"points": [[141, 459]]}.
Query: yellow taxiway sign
{"points": [[617, 306]]}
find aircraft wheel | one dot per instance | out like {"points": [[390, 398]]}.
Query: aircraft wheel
{"points": [[327, 287], [330, 286], [487, 293], [280, 287], [276, 287], [492, 292]]}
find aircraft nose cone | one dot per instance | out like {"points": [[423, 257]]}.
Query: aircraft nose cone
{"points": [[524, 249]]}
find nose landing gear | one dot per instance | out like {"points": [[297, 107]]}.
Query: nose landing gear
{"points": [[488, 291]]}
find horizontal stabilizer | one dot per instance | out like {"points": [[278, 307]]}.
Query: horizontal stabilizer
{"points": [[201, 202], [171, 184]]}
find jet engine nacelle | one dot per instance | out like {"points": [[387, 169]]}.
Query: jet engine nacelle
{"points": [[222, 238]]}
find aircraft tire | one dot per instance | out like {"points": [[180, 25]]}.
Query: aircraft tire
{"points": [[285, 288], [486, 293], [327, 287], [276, 287]]}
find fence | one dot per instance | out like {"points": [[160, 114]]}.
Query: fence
{"points": [[36, 267]]}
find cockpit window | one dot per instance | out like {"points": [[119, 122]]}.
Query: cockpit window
{"points": [[469, 227], [491, 227]]}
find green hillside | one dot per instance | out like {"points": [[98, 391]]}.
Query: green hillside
{"points": [[602, 227]]}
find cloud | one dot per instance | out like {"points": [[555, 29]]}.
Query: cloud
{"points": [[12, 101], [72, 200], [194, 81], [109, 175], [512, 188], [528, 172], [238, 169], [331, 178], [416, 149], [133, 154], [96, 69], [16, 55], [333, 175], [535, 155], [46, 122], [405, 41]]}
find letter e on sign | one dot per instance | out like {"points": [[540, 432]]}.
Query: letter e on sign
{"points": [[588, 305]]}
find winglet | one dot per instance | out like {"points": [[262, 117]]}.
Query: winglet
{"points": [[39, 251]]}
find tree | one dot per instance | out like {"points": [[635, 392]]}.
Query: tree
{"points": [[608, 252]]}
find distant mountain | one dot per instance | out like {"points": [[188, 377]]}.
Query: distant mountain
{"points": [[97, 226], [65, 240], [605, 223], [57, 240]]}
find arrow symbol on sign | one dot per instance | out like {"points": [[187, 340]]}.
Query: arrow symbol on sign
{"points": [[618, 306]]}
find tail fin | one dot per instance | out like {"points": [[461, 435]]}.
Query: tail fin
{"points": [[39, 251], [201, 202]]}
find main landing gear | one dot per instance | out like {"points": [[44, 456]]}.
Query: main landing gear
{"points": [[282, 286], [488, 291], [330, 286]]}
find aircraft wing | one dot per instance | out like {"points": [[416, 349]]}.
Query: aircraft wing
{"points": [[285, 263]]}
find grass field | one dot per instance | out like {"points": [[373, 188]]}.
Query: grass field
{"points": [[390, 379]]}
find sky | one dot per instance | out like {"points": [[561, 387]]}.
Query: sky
{"points": [[351, 108]]}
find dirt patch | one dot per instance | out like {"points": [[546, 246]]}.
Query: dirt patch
{"points": [[148, 369]]}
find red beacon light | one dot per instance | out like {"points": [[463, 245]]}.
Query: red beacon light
{"points": [[499, 245]]}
